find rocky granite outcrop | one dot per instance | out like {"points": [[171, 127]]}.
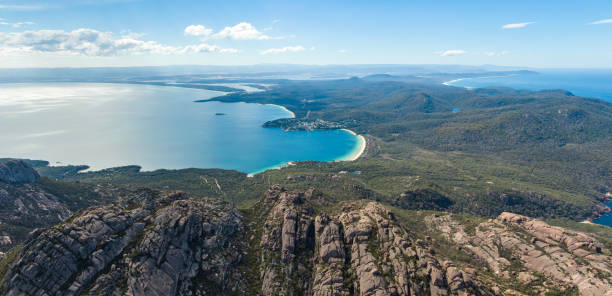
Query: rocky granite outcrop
{"points": [[530, 250], [17, 171], [360, 251], [24, 207], [297, 242], [153, 245], [40, 203], [23, 204]]}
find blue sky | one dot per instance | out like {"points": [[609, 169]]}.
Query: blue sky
{"points": [[140, 33]]}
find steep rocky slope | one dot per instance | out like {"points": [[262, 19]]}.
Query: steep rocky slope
{"points": [[297, 242], [17, 171], [23, 204], [28, 201], [147, 245], [359, 251]]}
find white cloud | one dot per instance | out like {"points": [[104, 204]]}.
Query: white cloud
{"points": [[15, 25], [341, 50], [517, 25], [284, 49], [198, 31], [21, 7], [493, 54], [452, 52], [241, 31], [91, 42], [601, 22]]}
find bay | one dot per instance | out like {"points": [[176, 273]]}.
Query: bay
{"points": [[109, 125]]}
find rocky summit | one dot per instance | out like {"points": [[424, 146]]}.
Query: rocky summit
{"points": [[298, 242], [17, 171]]}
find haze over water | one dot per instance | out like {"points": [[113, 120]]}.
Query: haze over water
{"points": [[587, 83], [109, 125]]}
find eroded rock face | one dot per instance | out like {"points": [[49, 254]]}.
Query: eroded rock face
{"points": [[527, 249], [17, 171], [25, 207], [153, 246], [297, 243], [361, 251], [287, 233]]}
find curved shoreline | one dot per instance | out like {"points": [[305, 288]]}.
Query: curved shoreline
{"points": [[284, 108], [448, 83], [351, 156], [356, 153]]}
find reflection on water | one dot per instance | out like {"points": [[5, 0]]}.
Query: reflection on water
{"points": [[107, 125]]}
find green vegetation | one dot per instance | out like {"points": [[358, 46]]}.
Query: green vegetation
{"points": [[6, 263], [545, 154]]}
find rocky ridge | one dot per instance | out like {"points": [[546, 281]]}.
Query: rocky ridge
{"points": [[297, 242], [150, 245], [23, 204], [360, 251], [518, 247], [28, 201]]}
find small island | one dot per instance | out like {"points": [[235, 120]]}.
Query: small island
{"points": [[220, 114]]}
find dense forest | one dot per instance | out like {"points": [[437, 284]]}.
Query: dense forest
{"points": [[430, 146]]}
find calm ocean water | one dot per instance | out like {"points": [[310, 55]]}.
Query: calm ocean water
{"points": [[108, 125], [587, 83], [607, 218]]}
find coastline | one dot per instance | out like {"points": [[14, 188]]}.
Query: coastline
{"points": [[351, 156], [358, 152], [284, 108], [448, 83]]}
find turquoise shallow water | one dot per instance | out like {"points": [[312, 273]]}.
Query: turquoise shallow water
{"points": [[588, 83], [108, 125]]}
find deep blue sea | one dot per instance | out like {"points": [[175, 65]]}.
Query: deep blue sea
{"points": [[109, 125], [587, 83]]}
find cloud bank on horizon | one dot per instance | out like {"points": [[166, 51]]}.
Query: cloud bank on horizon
{"points": [[91, 42]]}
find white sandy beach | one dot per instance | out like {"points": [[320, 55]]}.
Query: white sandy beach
{"points": [[351, 157], [284, 108], [357, 152], [448, 83]]}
